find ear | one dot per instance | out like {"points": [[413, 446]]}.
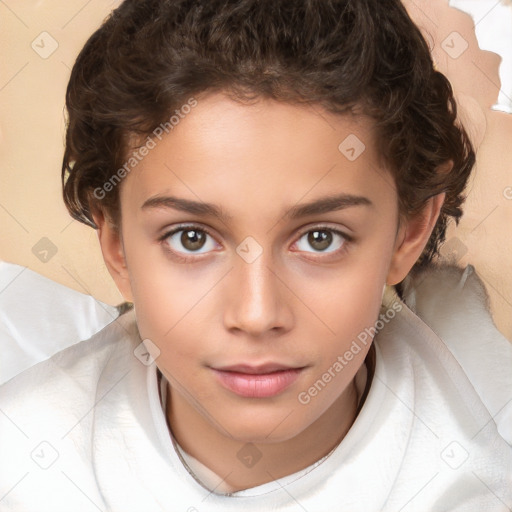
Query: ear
{"points": [[412, 238], [113, 253]]}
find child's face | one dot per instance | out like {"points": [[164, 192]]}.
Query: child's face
{"points": [[257, 289]]}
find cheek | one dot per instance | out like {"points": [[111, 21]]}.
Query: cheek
{"points": [[168, 304], [165, 322], [349, 317], [340, 350], [164, 293], [163, 311], [346, 308], [346, 299]]}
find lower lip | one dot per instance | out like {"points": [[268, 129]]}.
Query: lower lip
{"points": [[258, 386]]}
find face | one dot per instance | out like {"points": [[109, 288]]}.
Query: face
{"points": [[256, 235]]}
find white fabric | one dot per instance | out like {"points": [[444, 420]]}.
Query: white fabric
{"points": [[39, 317], [485, 354], [423, 441]]}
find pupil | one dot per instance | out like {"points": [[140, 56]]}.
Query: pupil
{"points": [[192, 239], [320, 240]]}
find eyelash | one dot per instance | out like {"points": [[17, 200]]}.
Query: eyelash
{"points": [[194, 227]]}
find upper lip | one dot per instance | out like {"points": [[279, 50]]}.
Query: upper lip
{"points": [[256, 370]]}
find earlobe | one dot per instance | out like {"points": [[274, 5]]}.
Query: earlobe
{"points": [[412, 238], [113, 253]]}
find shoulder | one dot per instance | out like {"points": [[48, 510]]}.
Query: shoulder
{"points": [[434, 397], [40, 317], [454, 304], [48, 415], [73, 372]]}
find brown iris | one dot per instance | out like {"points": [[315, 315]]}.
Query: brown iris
{"points": [[320, 240], [193, 240]]}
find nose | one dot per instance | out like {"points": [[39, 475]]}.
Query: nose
{"points": [[257, 300]]}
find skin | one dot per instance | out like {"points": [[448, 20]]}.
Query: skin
{"points": [[299, 303]]}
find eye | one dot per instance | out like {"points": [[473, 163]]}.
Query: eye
{"points": [[189, 240], [321, 239], [186, 240]]}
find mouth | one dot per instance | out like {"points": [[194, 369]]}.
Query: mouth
{"points": [[257, 381]]}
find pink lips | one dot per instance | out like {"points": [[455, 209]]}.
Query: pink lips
{"points": [[257, 381]]}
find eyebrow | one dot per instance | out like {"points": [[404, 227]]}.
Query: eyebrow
{"points": [[318, 206]]}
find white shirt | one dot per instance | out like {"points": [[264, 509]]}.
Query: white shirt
{"points": [[84, 430]]}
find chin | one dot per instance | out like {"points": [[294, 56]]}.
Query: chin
{"points": [[262, 427]]}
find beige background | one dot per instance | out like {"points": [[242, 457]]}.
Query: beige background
{"points": [[39, 41]]}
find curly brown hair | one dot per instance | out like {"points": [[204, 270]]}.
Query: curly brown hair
{"points": [[367, 56]]}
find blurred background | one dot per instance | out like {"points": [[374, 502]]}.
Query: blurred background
{"points": [[471, 42]]}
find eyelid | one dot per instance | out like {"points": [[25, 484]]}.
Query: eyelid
{"points": [[183, 227], [325, 227]]}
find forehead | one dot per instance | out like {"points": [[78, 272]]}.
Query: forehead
{"points": [[249, 157]]}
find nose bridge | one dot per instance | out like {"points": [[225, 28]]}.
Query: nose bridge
{"points": [[257, 304]]}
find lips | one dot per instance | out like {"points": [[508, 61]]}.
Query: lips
{"points": [[261, 381], [256, 370]]}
